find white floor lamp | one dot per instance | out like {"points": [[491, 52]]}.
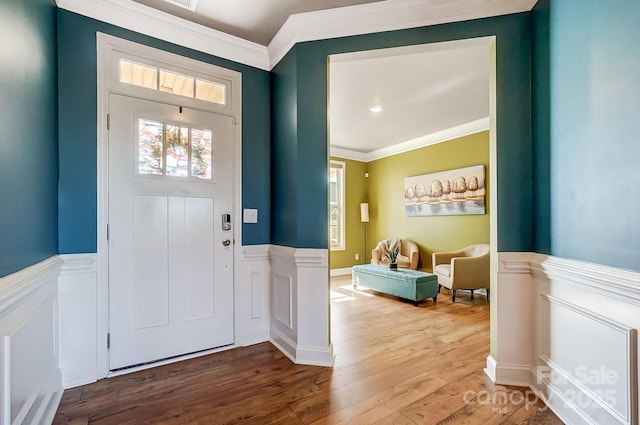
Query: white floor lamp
{"points": [[364, 217]]}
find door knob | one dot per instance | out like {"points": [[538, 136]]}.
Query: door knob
{"points": [[226, 242]]}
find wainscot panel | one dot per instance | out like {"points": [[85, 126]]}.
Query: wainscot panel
{"points": [[77, 289], [582, 321], [252, 295], [300, 324], [29, 373]]}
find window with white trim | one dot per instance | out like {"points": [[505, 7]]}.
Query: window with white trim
{"points": [[173, 150], [336, 205], [155, 78]]}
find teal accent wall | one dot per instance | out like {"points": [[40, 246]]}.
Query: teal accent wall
{"points": [[309, 93], [595, 123], [299, 159], [77, 131], [284, 133], [28, 134], [541, 126]]}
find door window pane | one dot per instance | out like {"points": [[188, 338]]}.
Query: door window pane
{"points": [[201, 153], [177, 140], [174, 151], [150, 147]]}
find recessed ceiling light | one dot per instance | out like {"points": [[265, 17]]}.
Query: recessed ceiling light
{"points": [[187, 4], [376, 108]]}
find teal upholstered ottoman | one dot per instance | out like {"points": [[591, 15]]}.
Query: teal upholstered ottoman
{"points": [[404, 283]]}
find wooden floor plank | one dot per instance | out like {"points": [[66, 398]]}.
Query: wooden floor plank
{"points": [[396, 364]]}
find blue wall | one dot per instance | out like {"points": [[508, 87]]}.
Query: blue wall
{"points": [[299, 157], [595, 125], [541, 127], [28, 134], [308, 63], [284, 177], [581, 202], [77, 135]]}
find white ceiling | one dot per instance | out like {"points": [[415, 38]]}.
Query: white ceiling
{"points": [[423, 90], [253, 20]]}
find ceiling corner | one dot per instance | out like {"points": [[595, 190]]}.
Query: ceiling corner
{"points": [[161, 25]]}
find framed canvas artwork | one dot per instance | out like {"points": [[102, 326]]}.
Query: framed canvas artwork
{"points": [[453, 192]]}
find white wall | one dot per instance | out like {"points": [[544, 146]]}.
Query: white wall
{"points": [[568, 329], [30, 382]]}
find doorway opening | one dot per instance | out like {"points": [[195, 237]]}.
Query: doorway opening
{"points": [[403, 112]]}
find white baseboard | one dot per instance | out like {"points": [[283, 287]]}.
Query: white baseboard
{"points": [[284, 344], [341, 272], [315, 357], [252, 338], [490, 369], [75, 376], [508, 374], [518, 375]]}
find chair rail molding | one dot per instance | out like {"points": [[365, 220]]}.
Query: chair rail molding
{"points": [[564, 312], [30, 376]]}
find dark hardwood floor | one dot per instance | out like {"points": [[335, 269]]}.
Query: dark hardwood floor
{"points": [[395, 364]]}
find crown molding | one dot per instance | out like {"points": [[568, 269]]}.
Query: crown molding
{"points": [[383, 16], [367, 18], [430, 139], [146, 20]]}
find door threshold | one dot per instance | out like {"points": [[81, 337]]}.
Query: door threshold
{"points": [[162, 362]]}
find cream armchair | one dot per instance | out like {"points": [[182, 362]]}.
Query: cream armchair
{"points": [[464, 269], [407, 259]]}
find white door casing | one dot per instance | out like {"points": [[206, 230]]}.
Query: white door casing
{"points": [[170, 272], [109, 50]]}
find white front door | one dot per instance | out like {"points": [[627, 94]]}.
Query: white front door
{"points": [[170, 249]]}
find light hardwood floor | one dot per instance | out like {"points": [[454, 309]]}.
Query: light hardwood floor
{"points": [[395, 364]]}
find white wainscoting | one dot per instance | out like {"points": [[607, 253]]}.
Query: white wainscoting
{"points": [[30, 381], [252, 295], [80, 343], [300, 304], [77, 323], [580, 321]]}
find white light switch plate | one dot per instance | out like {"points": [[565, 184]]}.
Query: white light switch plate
{"points": [[250, 215]]}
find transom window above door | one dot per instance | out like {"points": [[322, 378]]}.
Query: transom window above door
{"points": [[155, 78], [172, 150]]}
